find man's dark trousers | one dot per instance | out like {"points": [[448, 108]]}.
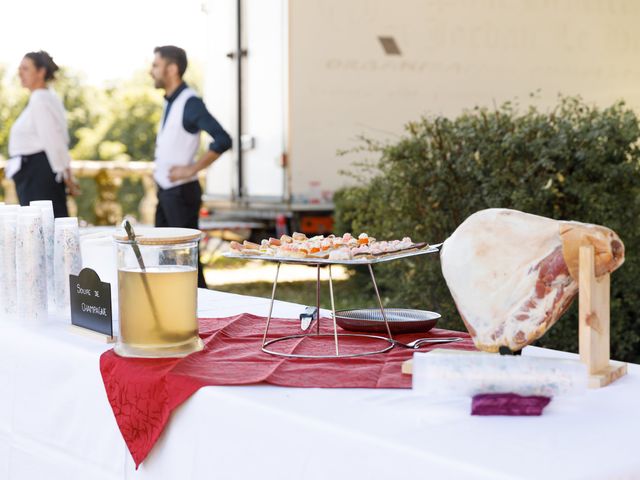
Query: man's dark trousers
{"points": [[179, 207]]}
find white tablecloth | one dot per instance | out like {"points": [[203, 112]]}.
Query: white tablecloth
{"points": [[56, 423]]}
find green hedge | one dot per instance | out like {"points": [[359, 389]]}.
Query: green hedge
{"points": [[576, 162]]}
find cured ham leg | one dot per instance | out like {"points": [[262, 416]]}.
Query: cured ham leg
{"points": [[513, 274]]}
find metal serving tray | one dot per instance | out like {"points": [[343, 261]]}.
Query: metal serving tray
{"points": [[326, 261]]}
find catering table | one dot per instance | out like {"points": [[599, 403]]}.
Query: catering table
{"points": [[56, 423]]}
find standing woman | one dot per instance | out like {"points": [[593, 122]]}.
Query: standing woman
{"points": [[39, 140]]}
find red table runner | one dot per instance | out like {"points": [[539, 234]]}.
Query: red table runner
{"points": [[144, 392]]}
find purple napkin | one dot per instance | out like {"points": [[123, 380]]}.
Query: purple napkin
{"points": [[508, 404]]}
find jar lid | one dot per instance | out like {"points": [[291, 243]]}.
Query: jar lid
{"points": [[160, 235]]}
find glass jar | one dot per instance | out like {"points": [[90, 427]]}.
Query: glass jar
{"points": [[157, 295]]}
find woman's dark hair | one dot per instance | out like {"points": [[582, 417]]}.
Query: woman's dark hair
{"points": [[42, 59], [173, 55]]}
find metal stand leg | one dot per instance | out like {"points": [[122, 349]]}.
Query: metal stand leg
{"points": [[384, 315], [273, 296], [333, 310], [318, 302]]}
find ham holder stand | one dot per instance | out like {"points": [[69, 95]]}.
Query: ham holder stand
{"points": [[594, 323]]}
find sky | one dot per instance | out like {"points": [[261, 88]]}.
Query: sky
{"points": [[104, 40]]}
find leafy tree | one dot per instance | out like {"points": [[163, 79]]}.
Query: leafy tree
{"points": [[79, 102], [135, 114]]}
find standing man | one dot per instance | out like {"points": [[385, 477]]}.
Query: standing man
{"points": [[184, 116]]}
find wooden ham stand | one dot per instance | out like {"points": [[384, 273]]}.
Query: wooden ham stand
{"points": [[594, 323]]}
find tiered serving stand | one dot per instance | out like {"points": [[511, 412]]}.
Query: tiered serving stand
{"points": [[318, 263]]}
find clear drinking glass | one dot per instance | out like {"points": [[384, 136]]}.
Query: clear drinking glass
{"points": [[158, 293], [8, 287], [67, 260], [46, 212], [31, 266]]}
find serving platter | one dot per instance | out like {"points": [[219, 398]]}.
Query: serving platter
{"points": [[359, 260]]}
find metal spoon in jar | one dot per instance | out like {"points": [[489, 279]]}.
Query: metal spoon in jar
{"points": [[136, 250]]}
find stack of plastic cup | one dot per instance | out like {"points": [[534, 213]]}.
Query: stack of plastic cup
{"points": [[66, 261], [46, 210], [8, 291], [31, 267]]}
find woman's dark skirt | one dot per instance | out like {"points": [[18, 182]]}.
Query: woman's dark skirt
{"points": [[36, 181]]}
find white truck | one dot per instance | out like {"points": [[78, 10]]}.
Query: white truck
{"points": [[298, 80]]}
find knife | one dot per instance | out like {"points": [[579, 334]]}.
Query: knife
{"points": [[307, 317]]}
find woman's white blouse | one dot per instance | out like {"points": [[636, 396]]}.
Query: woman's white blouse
{"points": [[42, 126]]}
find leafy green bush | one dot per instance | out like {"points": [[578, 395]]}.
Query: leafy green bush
{"points": [[576, 162]]}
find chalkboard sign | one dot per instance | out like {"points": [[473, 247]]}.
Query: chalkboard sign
{"points": [[90, 302]]}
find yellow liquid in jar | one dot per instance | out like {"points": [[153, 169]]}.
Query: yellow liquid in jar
{"points": [[173, 329]]}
